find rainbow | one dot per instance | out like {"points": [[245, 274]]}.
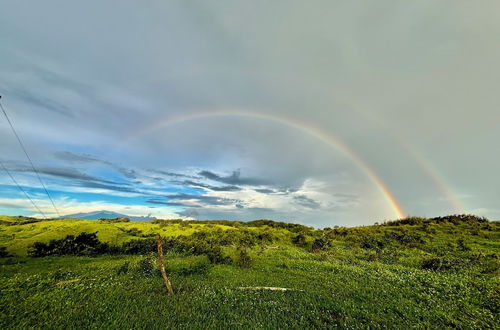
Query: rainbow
{"points": [[329, 140], [430, 171]]}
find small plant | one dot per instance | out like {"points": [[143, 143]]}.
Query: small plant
{"points": [[299, 240], [123, 268], [244, 259], [146, 266], [199, 268], [462, 246], [321, 244], [4, 253]]}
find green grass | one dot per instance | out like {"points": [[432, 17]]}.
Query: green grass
{"points": [[345, 285]]}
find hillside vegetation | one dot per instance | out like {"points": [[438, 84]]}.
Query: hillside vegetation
{"points": [[414, 272]]}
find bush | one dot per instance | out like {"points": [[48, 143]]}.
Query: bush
{"points": [[441, 263], [137, 246], [145, 266], [123, 268], [462, 246], [244, 259], [114, 220], [372, 242], [405, 237], [83, 244], [216, 256], [199, 268], [4, 253], [321, 244], [299, 240]]}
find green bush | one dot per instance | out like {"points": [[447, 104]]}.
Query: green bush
{"points": [[244, 260], [299, 240], [441, 263], [123, 268], [199, 268], [4, 253], [321, 244], [146, 266], [81, 245], [114, 220]]}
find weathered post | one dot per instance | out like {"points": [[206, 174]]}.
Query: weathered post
{"points": [[168, 285]]}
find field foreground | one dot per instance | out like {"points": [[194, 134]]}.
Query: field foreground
{"points": [[415, 273]]}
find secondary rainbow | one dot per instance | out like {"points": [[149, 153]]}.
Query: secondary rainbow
{"points": [[423, 162], [328, 139]]}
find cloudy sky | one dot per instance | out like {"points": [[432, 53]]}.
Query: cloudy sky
{"points": [[319, 112]]}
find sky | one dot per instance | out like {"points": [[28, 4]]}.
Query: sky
{"points": [[317, 112]]}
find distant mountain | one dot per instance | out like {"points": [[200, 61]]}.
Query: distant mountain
{"points": [[106, 214]]}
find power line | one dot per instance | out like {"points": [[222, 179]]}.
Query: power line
{"points": [[29, 159], [22, 190]]}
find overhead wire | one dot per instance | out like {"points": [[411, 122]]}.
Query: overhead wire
{"points": [[29, 158], [21, 189]]}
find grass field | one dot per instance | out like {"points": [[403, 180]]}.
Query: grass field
{"points": [[422, 274]]}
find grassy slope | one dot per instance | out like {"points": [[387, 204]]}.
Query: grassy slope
{"points": [[347, 285], [18, 238]]}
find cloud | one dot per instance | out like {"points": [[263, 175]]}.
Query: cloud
{"points": [[203, 199], [90, 184], [70, 206], [41, 101], [161, 202], [189, 213], [265, 191], [207, 186], [63, 172], [86, 158], [77, 158], [306, 201], [173, 174], [234, 179]]}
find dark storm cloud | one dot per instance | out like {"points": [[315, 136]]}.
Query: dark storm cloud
{"points": [[234, 179]]}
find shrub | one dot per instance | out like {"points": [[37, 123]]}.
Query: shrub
{"points": [[441, 263], [321, 244], [299, 240], [123, 268], [4, 253], [372, 242], [199, 268], [145, 266], [114, 220], [137, 246], [244, 259], [405, 237], [462, 246], [83, 244], [216, 256]]}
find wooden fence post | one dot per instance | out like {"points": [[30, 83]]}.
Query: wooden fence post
{"points": [[168, 285]]}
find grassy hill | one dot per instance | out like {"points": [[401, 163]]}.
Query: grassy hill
{"points": [[416, 272]]}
